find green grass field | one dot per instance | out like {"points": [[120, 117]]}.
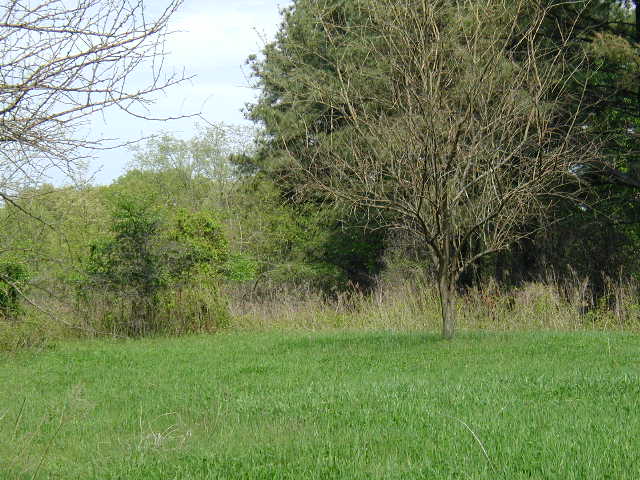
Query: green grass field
{"points": [[332, 405]]}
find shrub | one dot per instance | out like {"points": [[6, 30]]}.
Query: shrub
{"points": [[148, 264], [14, 276]]}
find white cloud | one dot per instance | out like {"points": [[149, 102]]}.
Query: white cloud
{"points": [[215, 38], [222, 36]]}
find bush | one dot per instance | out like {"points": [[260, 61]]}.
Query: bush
{"points": [[149, 266], [14, 276]]}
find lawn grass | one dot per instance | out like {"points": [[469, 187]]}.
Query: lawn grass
{"points": [[377, 405]]}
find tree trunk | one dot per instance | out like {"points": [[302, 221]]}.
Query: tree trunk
{"points": [[447, 304]]}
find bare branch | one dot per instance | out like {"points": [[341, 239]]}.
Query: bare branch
{"points": [[463, 139], [63, 61]]}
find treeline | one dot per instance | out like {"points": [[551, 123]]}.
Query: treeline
{"points": [[160, 249], [500, 137], [368, 112]]}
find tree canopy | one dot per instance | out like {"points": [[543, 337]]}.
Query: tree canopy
{"points": [[442, 115]]}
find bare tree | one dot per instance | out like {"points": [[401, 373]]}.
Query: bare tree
{"points": [[64, 60], [457, 132]]}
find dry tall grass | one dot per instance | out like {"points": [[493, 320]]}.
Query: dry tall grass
{"points": [[414, 305], [400, 303]]}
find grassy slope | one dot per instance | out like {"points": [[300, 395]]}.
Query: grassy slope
{"points": [[338, 405]]}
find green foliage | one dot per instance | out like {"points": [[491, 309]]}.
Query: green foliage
{"points": [[302, 51], [240, 268], [222, 211], [193, 174], [130, 259], [147, 262], [35, 331], [600, 241], [52, 241], [333, 250], [199, 245], [357, 251], [302, 243], [603, 51], [14, 276], [198, 307]]}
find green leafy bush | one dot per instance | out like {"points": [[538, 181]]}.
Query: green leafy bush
{"points": [[150, 265], [14, 276]]}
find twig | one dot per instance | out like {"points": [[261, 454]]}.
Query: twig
{"points": [[15, 428], [477, 439], [12, 202]]}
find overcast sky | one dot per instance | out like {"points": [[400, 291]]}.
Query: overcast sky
{"points": [[214, 39]]}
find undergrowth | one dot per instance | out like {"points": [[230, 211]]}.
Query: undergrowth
{"points": [[401, 305]]}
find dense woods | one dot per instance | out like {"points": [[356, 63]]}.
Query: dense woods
{"points": [[467, 158]]}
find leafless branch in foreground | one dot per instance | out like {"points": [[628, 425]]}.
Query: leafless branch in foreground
{"points": [[62, 61]]}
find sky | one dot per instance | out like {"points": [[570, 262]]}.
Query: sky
{"points": [[211, 40]]}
